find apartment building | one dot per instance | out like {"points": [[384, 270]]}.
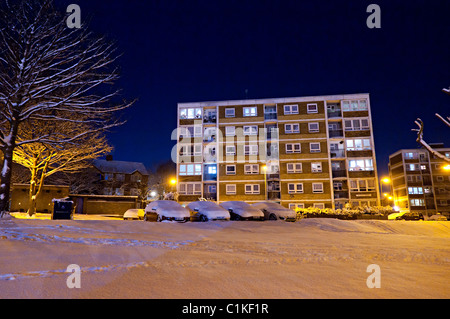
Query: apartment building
{"points": [[419, 181], [301, 152]]}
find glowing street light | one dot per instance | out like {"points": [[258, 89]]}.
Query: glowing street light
{"points": [[386, 180], [446, 167], [173, 181]]}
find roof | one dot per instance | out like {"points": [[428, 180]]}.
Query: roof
{"points": [[120, 167]]}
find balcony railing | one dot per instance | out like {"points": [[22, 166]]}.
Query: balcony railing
{"points": [[334, 114], [336, 133], [339, 173], [337, 153], [270, 116], [209, 119]]}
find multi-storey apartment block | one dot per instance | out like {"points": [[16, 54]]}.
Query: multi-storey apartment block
{"points": [[420, 182], [305, 151]]}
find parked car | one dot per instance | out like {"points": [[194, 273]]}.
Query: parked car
{"points": [[275, 211], [406, 216], [205, 210], [160, 210], [242, 211], [134, 213], [437, 217]]}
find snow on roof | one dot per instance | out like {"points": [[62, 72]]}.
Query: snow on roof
{"points": [[120, 167]]}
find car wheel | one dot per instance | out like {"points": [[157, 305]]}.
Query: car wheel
{"points": [[158, 218], [272, 217], [145, 217], [203, 218]]}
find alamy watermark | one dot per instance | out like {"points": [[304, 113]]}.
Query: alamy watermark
{"points": [[74, 19], [374, 279], [74, 279]]}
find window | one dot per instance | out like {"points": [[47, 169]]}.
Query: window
{"points": [[252, 189], [250, 149], [410, 155], [291, 128], [109, 176], [251, 130], [314, 147], [293, 148], [212, 170], [313, 127], [230, 150], [443, 202], [190, 169], [296, 206], [415, 190], [190, 113], [412, 167], [319, 205], [362, 185], [230, 112], [230, 189], [295, 188], [423, 167], [312, 108], [417, 202], [230, 170], [190, 131], [358, 144], [354, 105], [294, 168], [251, 169], [290, 109], [317, 187], [190, 188], [316, 167], [356, 125], [250, 111], [360, 165], [191, 150], [439, 178], [337, 186], [230, 131]]}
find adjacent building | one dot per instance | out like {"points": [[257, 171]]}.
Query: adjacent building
{"points": [[419, 181], [302, 151]]}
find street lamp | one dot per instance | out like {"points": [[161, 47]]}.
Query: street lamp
{"points": [[264, 168], [386, 180], [446, 167]]}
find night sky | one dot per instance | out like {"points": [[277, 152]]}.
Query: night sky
{"points": [[190, 51]]}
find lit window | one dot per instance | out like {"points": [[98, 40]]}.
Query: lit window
{"points": [[316, 167]]}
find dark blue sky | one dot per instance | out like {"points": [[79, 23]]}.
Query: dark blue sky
{"points": [[188, 51]]}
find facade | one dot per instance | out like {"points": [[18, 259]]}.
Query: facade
{"points": [[419, 182], [20, 197], [301, 152], [121, 178]]}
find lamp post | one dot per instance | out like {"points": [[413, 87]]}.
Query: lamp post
{"points": [[386, 180], [264, 168], [173, 183]]}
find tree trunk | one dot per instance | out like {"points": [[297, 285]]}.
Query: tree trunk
{"points": [[5, 184]]}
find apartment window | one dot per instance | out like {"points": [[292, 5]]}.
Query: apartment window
{"points": [[190, 169], [251, 130], [190, 113], [412, 167], [415, 190], [250, 111], [294, 168], [356, 125], [296, 206], [295, 188], [230, 150], [190, 131], [319, 205], [354, 105], [312, 108], [337, 186], [410, 155], [423, 167], [316, 167], [190, 188], [439, 178], [317, 187], [230, 189], [360, 165], [251, 169], [252, 189], [191, 150], [417, 202], [290, 109], [230, 112], [314, 147], [230, 131], [250, 149], [291, 128], [293, 148], [313, 127], [358, 144], [230, 170], [362, 185]]}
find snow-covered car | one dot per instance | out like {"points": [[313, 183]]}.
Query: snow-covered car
{"points": [[275, 211], [204, 211], [437, 217], [134, 213], [160, 210], [242, 211]]}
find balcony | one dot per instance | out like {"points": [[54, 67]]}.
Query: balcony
{"points": [[270, 116], [210, 119], [335, 133], [341, 195], [337, 153], [339, 173]]}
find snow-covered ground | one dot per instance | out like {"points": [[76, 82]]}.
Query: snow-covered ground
{"points": [[312, 258]]}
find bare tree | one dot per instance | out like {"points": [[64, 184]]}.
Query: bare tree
{"points": [[44, 160], [50, 73], [420, 129]]}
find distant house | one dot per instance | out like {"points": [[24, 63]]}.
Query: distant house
{"points": [[122, 178]]}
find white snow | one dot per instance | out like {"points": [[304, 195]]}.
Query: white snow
{"points": [[311, 258]]}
